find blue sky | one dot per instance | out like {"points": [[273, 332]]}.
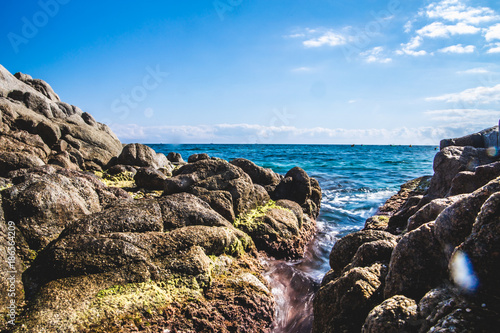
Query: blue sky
{"points": [[266, 71]]}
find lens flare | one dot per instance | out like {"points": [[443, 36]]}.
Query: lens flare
{"points": [[492, 151], [462, 272]]}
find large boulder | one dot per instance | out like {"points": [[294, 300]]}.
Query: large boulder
{"points": [[346, 248], [484, 139], [431, 211], [481, 251], [299, 187], [394, 315], [45, 199], [417, 264], [143, 156], [450, 161], [170, 262], [278, 229], [455, 223], [35, 124], [227, 189], [468, 181], [259, 175], [150, 179], [343, 304]]}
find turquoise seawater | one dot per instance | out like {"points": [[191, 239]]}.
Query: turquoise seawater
{"points": [[355, 181]]}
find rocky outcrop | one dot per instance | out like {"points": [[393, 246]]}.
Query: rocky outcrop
{"points": [[112, 238], [297, 186], [37, 129], [443, 265]]}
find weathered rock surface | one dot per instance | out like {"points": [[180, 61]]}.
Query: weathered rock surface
{"points": [[452, 160], [431, 211], [36, 126], [140, 155], [446, 258], [395, 314], [280, 230], [149, 178], [126, 255], [298, 187], [346, 248], [468, 181], [343, 304], [44, 200], [227, 189], [259, 175], [90, 258]]}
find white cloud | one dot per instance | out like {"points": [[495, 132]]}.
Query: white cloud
{"points": [[247, 133], [493, 33], [458, 49], [470, 116], [328, 38], [438, 29], [410, 47], [408, 27], [298, 35], [478, 70], [494, 48], [479, 95], [302, 69], [458, 11], [376, 55]]}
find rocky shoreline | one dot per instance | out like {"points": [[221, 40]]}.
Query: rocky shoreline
{"points": [[99, 236], [429, 260]]}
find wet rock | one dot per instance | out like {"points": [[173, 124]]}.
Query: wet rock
{"points": [[277, 231], [455, 223], [259, 175], [343, 304], [396, 314], [417, 264], [150, 179], [431, 211], [140, 155], [298, 187], [467, 181], [345, 248], [198, 157], [377, 222]]}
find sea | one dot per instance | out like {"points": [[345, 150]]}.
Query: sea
{"points": [[355, 181]]}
